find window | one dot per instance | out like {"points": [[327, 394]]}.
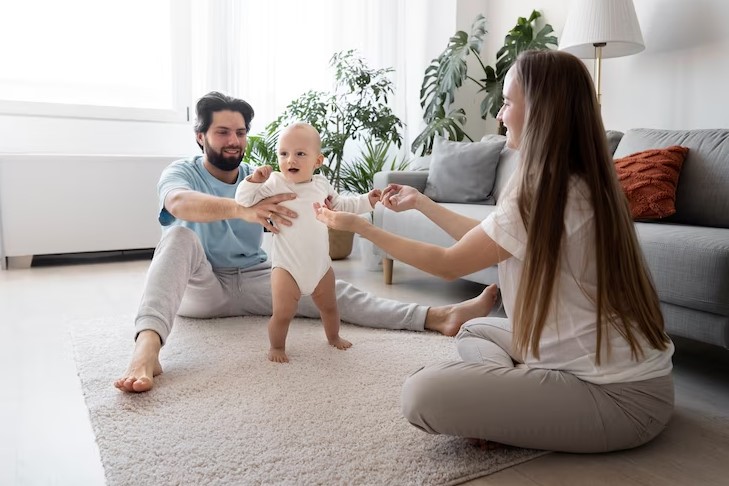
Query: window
{"points": [[86, 58]]}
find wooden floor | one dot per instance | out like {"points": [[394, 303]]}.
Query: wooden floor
{"points": [[46, 437]]}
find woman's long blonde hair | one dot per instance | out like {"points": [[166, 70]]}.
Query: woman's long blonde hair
{"points": [[563, 135]]}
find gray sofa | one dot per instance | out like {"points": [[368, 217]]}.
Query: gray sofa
{"points": [[687, 253]]}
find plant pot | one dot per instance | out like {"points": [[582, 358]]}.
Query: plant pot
{"points": [[370, 254], [340, 244]]}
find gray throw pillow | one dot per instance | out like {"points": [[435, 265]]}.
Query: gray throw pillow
{"points": [[463, 172], [613, 139]]}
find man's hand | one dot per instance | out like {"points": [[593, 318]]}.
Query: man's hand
{"points": [[374, 196], [261, 174], [400, 198], [269, 213], [337, 219]]}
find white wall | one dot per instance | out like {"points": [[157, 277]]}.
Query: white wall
{"points": [[678, 82], [34, 134]]}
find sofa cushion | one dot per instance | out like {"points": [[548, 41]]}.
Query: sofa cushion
{"points": [[701, 195], [463, 172], [613, 139], [689, 264], [649, 179]]}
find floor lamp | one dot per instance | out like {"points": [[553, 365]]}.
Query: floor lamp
{"points": [[599, 29]]}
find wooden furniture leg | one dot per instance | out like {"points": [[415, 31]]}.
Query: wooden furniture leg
{"points": [[387, 270]]}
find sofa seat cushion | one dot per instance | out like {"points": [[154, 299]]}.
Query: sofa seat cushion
{"points": [[412, 224], [689, 264]]}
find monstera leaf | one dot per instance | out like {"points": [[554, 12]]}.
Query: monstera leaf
{"points": [[450, 127], [520, 38], [449, 71]]}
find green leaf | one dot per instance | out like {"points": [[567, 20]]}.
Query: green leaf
{"points": [[261, 150], [450, 127], [519, 39], [358, 175], [449, 70]]}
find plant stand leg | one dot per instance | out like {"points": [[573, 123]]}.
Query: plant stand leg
{"points": [[387, 270]]}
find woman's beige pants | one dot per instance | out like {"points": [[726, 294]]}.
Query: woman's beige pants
{"points": [[486, 396]]}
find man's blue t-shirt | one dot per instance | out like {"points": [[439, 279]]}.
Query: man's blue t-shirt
{"points": [[230, 243]]}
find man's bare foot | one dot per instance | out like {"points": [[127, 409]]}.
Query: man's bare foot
{"points": [[449, 319], [277, 355], [340, 343], [144, 365]]}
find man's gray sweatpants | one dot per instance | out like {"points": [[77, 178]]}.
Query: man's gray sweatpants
{"points": [[181, 281]]}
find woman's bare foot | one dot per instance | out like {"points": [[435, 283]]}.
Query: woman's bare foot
{"points": [[144, 365], [340, 343], [449, 319], [487, 445], [277, 355]]}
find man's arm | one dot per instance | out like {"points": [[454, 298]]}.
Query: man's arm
{"points": [[198, 207]]}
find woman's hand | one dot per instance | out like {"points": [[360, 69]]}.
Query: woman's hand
{"points": [[339, 220], [401, 198]]}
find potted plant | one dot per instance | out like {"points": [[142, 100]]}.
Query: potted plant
{"points": [[261, 150], [449, 71], [356, 109], [358, 175]]}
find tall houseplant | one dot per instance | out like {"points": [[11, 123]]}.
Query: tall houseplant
{"points": [[356, 108], [358, 175], [447, 73]]}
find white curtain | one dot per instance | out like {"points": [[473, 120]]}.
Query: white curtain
{"points": [[269, 53]]}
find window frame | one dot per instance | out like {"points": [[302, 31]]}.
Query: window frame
{"points": [[181, 86]]}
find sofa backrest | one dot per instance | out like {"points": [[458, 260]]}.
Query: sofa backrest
{"points": [[702, 196]]}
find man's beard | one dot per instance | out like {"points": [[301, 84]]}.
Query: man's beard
{"points": [[221, 161]]}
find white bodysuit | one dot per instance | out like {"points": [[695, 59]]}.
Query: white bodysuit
{"points": [[301, 249]]}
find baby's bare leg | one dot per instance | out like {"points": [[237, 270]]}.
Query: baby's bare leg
{"points": [[285, 295], [325, 298]]}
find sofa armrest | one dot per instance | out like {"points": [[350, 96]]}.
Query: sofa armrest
{"points": [[414, 178]]}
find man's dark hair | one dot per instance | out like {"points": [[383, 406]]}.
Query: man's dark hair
{"points": [[214, 102]]}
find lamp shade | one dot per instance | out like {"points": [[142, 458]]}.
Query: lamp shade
{"points": [[612, 22]]}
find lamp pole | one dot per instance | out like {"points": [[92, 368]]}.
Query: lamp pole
{"points": [[598, 69]]}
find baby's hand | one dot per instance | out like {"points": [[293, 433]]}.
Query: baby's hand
{"points": [[261, 174], [374, 196]]}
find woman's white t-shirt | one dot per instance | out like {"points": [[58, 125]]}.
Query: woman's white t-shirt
{"points": [[568, 340]]}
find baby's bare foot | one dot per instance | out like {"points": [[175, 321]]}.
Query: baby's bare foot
{"points": [[340, 343], [448, 320], [277, 355], [144, 365]]}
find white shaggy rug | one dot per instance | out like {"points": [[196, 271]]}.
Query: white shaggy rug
{"points": [[221, 413]]}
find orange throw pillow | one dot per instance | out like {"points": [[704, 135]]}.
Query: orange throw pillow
{"points": [[649, 179]]}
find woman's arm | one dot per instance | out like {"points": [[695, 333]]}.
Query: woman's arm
{"points": [[471, 253], [401, 198]]}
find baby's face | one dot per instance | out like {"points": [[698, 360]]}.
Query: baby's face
{"points": [[298, 155]]}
